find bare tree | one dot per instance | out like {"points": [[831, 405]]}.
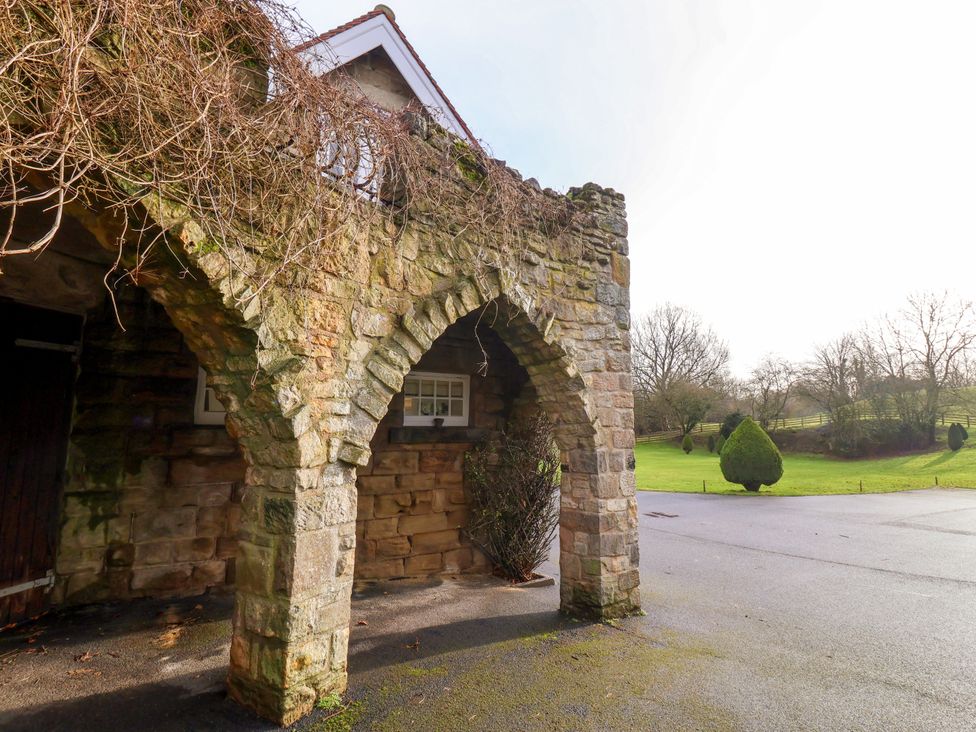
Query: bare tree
{"points": [[831, 380], [920, 355], [770, 388], [686, 404], [677, 359], [671, 344]]}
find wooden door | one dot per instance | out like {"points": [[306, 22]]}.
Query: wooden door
{"points": [[38, 351]]}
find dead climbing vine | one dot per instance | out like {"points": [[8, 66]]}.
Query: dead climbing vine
{"points": [[210, 111]]}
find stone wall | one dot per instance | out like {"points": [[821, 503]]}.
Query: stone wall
{"points": [[412, 504], [152, 501], [308, 380]]}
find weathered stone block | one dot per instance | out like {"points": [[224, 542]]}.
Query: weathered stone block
{"points": [[208, 574], [437, 541], [416, 481], [409, 525], [165, 578], [381, 528], [255, 568], [397, 546], [211, 521], [392, 505], [396, 462], [422, 502], [214, 495], [226, 547], [194, 550], [441, 461], [423, 564], [381, 569], [376, 484], [154, 552], [449, 480], [458, 560], [364, 507], [196, 470], [172, 523]]}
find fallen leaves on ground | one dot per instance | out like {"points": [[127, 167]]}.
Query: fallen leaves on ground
{"points": [[169, 637], [84, 672]]}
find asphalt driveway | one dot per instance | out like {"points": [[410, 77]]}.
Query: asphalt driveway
{"points": [[836, 613]]}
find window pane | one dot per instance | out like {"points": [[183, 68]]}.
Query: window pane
{"points": [[427, 407], [457, 408], [457, 389], [427, 388], [443, 388], [411, 406], [443, 407], [411, 387]]}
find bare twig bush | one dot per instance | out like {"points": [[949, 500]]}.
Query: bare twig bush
{"points": [[206, 107], [513, 485]]}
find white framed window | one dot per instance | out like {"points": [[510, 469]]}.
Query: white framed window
{"points": [[207, 409], [428, 396]]}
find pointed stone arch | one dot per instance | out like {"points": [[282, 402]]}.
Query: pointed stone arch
{"points": [[598, 547], [293, 563]]}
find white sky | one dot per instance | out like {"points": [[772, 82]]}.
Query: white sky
{"points": [[792, 167]]}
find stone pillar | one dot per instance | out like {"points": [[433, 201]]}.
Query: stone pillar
{"points": [[294, 586], [593, 420], [598, 543]]}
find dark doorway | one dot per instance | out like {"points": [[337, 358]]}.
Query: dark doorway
{"points": [[38, 354]]}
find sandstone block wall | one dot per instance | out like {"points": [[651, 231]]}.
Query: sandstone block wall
{"points": [[412, 507], [152, 502]]}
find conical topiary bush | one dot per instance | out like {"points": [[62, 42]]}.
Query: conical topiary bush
{"points": [[750, 458], [687, 445], [955, 436]]}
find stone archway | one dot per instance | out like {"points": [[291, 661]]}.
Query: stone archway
{"points": [[598, 542], [306, 380], [290, 550]]}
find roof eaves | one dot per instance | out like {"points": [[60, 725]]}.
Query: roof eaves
{"points": [[324, 37]]}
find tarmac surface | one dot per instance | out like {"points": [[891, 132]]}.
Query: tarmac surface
{"points": [[849, 612]]}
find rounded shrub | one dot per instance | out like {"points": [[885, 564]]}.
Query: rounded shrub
{"points": [[955, 436], [750, 458], [731, 421], [720, 443], [964, 432], [711, 443], [687, 445]]}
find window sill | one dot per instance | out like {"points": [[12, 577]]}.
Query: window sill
{"points": [[414, 435]]}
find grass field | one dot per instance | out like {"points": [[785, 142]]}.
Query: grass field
{"points": [[664, 467]]}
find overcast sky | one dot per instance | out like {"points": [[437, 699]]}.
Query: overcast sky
{"points": [[792, 167]]}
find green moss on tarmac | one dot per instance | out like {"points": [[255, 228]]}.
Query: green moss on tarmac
{"points": [[342, 721], [590, 677], [197, 635], [420, 672]]}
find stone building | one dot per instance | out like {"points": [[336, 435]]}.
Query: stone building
{"points": [[170, 440]]}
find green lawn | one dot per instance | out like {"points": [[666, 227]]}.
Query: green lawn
{"points": [[664, 467]]}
